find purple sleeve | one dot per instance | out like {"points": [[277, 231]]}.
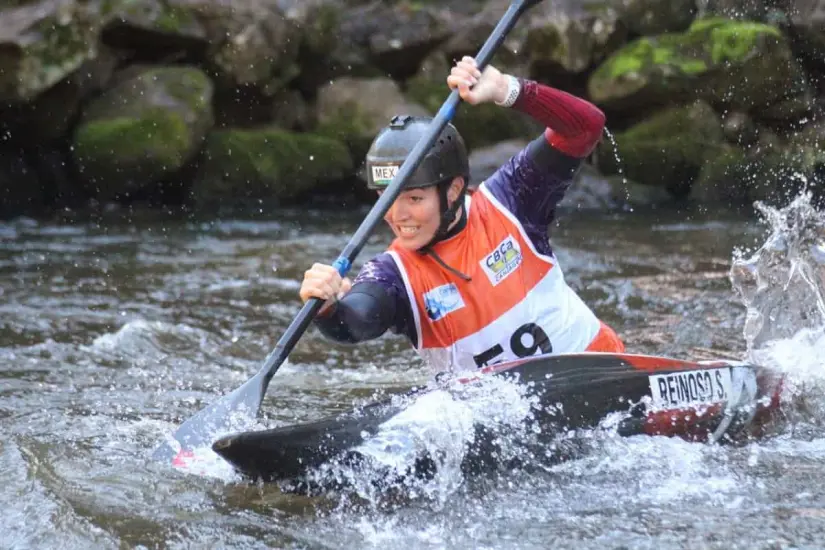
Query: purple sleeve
{"points": [[382, 270], [531, 184]]}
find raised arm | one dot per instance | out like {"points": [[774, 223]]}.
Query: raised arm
{"points": [[533, 182]]}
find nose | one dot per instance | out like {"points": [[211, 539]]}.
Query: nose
{"points": [[397, 212]]}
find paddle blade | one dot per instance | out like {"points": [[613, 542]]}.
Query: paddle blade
{"points": [[215, 420]]}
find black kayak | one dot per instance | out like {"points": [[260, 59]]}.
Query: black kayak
{"points": [[700, 401]]}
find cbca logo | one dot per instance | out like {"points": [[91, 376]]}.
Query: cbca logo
{"points": [[502, 261], [442, 300]]}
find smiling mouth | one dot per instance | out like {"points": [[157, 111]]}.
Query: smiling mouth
{"points": [[407, 231]]}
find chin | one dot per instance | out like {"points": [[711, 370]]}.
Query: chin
{"points": [[411, 245]]}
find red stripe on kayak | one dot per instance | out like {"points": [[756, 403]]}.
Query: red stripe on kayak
{"points": [[683, 422]]}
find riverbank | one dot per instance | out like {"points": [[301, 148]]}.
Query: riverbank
{"points": [[201, 105]]}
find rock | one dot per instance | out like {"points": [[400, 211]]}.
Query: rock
{"points": [[771, 170], [142, 130], [157, 28], [590, 190], [739, 128], [247, 107], [468, 34], [479, 125], [807, 18], [48, 117], [43, 42], [353, 110], [571, 36], [321, 56], [666, 150], [625, 193], [259, 44], [574, 35], [648, 17], [21, 192], [249, 43], [790, 112], [268, 163], [395, 38], [486, 160], [724, 178], [594, 191], [740, 64], [746, 10]]}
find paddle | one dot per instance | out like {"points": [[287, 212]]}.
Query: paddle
{"points": [[201, 428]]}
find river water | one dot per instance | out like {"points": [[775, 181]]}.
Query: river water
{"points": [[115, 329]]}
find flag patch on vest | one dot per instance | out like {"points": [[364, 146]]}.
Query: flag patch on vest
{"points": [[442, 300], [502, 261]]}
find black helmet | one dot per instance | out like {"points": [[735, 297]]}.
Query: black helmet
{"points": [[446, 160]]}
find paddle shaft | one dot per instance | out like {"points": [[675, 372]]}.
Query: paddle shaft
{"points": [[299, 325]]}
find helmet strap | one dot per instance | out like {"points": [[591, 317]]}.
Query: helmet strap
{"points": [[448, 211]]}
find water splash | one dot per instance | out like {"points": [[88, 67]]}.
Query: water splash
{"points": [[422, 452], [782, 285], [619, 168]]}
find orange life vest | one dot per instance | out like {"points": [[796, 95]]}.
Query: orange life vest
{"points": [[516, 304]]}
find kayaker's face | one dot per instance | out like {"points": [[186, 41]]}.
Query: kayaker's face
{"points": [[414, 217]]}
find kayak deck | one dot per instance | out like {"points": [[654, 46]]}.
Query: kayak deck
{"points": [[700, 401]]}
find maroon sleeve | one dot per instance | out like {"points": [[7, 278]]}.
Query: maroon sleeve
{"points": [[574, 125], [533, 182]]}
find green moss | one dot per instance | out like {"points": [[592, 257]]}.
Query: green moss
{"points": [[349, 125], [160, 134], [172, 87], [188, 85], [707, 42], [143, 129], [267, 163], [63, 44], [174, 19], [748, 64], [134, 148], [724, 178], [669, 149], [663, 51], [731, 40]]}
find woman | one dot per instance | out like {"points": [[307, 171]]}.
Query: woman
{"points": [[472, 280]]}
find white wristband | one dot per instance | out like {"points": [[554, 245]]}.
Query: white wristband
{"points": [[513, 90]]}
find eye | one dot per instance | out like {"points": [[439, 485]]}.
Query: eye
{"points": [[416, 198]]}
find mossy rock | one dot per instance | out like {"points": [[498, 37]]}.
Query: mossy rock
{"points": [[156, 25], [737, 177], [240, 165], [44, 42], [573, 38], [667, 150], [742, 64], [351, 126], [142, 130], [479, 125], [353, 110], [724, 178]]}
